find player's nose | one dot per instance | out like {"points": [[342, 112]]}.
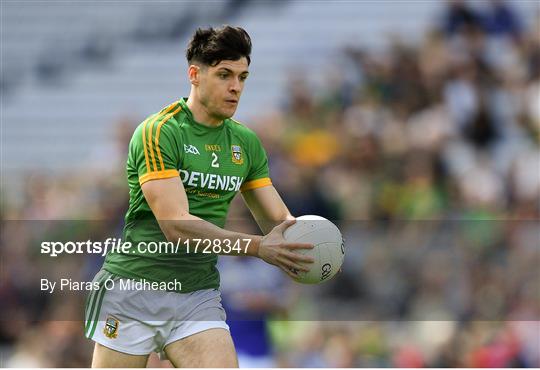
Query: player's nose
{"points": [[235, 86]]}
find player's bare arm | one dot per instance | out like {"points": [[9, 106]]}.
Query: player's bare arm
{"points": [[267, 207], [269, 210], [168, 201]]}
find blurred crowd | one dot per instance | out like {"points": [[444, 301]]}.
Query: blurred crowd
{"points": [[427, 156], [431, 153]]}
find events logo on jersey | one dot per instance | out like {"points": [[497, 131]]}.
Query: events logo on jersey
{"points": [[191, 149], [111, 327], [212, 147], [237, 154]]}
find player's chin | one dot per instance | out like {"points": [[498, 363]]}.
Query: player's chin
{"points": [[228, 112]]}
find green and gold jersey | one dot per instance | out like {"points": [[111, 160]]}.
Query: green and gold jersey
{"points": [[214, 163]]}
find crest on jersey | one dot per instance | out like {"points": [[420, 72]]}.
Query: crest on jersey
{"points": [[111, 327], [237, 154]]}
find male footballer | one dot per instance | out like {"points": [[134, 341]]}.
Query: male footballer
{"points": [[185, 165]]}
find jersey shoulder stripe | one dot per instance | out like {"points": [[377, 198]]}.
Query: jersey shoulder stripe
{"points": [[163, 121], [150, 138], [148, 144]]}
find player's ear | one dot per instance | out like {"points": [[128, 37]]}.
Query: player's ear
{"points": [[194, 74]]}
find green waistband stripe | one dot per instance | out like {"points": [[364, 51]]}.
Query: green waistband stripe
{"points": [[94, 299], [98, 310]]}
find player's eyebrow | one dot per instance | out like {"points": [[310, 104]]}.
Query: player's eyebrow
{"points": [[225, 69]]}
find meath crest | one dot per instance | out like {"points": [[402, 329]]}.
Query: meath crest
{"points": [[111, 327], [237, 154]]}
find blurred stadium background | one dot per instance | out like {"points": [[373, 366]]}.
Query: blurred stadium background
{"points": [[414, 124]]}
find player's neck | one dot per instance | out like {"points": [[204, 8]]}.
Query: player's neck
{"points": [[200, 114]]}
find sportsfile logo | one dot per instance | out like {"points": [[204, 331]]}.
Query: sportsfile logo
{"points": [[191, 149]]}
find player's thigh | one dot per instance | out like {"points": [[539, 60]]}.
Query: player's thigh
{"points": [[106, 357], [209, 348]]}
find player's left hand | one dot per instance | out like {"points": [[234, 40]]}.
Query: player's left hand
{"points": [[275, 250]]}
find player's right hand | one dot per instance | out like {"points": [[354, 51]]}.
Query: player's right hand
{"points": [[275, 250]]}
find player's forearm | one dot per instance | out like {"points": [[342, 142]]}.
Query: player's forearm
{"points": [[267, 224], [191, 227], [267, 207]]}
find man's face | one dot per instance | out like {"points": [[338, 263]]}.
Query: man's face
{"points": [[220, 87]]}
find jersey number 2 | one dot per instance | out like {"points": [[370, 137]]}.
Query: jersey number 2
{"points": [[214, 160]]}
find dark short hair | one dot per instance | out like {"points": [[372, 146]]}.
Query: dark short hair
{"points": [[210, 46]]}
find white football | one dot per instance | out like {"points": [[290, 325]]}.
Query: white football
{"points": [[328, 251]]}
